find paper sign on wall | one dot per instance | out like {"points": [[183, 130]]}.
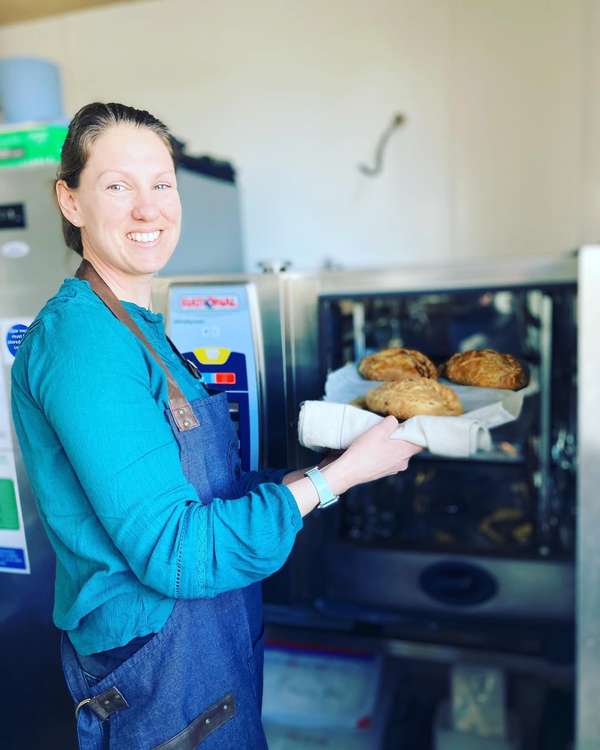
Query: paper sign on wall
{"points": [[13, 545]]}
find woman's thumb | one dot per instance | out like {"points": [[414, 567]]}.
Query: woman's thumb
{"points": [[388, 425]]}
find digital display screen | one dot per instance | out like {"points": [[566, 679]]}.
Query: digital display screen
{"points": [[12, 216]]}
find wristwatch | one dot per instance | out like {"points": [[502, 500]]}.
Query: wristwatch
{"points": [[326, 496]]}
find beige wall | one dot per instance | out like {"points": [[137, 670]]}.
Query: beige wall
{"points": [[591, 122], [494, 158]]}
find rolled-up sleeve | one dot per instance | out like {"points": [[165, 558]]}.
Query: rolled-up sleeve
{"points": [[250, 480], [105, 406]]}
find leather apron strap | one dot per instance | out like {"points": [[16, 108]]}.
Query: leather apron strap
{"points": [[180, 408]]}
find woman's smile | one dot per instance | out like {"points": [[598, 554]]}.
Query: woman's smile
{"points": [[149, 238]]}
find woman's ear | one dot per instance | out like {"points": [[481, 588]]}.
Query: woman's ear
{"points": [[68, 204]]}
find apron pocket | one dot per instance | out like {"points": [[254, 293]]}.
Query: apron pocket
{"points": [[200, 728]]}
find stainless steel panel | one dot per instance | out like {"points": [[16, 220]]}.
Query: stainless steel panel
{"points": [[474, 274], [211, 233], [49, 258], [588, 549], [265, 295], [29, 639], [526, 589]]}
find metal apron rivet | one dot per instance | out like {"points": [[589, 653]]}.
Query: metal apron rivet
{"points": [[225, 707], [207, 721], [186, 423], [181, 412], [80, 705]]}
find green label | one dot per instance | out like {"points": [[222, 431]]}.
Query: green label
{"points": [[9, 516], [38, 144]]}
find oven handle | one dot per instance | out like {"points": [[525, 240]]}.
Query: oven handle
{"points": [[458, 583]]}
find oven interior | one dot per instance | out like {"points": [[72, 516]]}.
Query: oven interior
{"points": [[517, 501]]}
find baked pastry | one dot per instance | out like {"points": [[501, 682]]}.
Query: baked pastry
{"points": [[397, 364], [408, 398], [486, 368], [360, 402]]}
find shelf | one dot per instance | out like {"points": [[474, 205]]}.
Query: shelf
{"points": [[496, 456]]}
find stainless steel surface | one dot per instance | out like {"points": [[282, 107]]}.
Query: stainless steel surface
{"points": [[358, 326], [475, 274], [264, 291], [391, 580], [211, 232], [588, 549], [48, 259], [29, 640], [545, 348]]}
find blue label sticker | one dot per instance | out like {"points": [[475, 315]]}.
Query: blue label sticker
{"points": [[14, 337], [12, 558]]}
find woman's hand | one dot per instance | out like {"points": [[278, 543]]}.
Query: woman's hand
{"points": [[373, 455], [329, 458]]}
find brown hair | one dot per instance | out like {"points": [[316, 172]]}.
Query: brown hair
{"points": [[85, 127]]}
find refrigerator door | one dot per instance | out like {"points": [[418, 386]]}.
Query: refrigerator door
{"points": [[33, 263]]}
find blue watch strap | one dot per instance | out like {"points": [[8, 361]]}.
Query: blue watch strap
{"points": [[326, 496]]}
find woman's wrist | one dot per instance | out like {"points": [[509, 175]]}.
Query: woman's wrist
{"points": [[293, 476], [338, 476]]}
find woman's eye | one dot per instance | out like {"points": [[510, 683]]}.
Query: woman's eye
{"points": [[162, 186], [116, 188]]}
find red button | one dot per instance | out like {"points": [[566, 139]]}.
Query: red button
{"points": [[225, 378]]}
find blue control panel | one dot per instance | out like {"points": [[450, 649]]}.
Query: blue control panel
{"points": [[212, 327]]}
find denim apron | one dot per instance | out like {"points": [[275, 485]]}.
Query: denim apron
{"points": [[198, 682]]}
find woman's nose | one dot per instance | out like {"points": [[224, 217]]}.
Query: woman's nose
{"points": [[145, 209]]}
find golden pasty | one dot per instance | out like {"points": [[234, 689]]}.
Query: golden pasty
{"points": [[360, 402], [486, 368], [397, 364], [408, 398]]}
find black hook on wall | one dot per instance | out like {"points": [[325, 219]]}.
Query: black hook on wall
{"points": [[397, 120]]}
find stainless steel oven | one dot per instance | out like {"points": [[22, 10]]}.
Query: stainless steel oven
{"points": [[493, 535], [468, 552], [455, 556]]}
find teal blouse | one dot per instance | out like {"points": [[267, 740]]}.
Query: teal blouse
{"points": [[88, 405]]}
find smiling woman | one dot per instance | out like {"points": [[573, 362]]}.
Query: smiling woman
{"points": [[161, 539], [117, 190]]}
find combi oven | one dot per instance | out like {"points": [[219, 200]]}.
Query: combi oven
{"points": [[478, 553], [490, 536]]}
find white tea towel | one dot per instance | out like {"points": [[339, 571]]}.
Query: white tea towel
{"points": [[323, 425]]}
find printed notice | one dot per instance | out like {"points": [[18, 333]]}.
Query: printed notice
{"points": [[13, 546], [5, 439], [11, 335]]}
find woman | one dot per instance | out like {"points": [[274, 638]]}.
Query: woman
{"points": [[161, 541]]}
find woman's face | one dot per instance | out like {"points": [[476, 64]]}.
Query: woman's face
{"points": [[127, 204]]}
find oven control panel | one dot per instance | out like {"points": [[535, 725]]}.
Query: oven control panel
{"points": [[213, 326]]}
